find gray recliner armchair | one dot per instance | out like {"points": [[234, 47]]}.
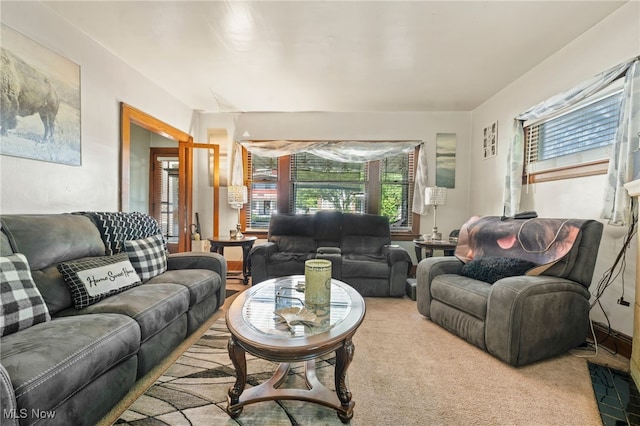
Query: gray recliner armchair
{"points": [[517, 289]]}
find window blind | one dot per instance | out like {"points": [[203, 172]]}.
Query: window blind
{"points": [[585, 128]]}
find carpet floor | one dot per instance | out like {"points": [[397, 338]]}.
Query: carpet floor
{"points": [[406, 370]]}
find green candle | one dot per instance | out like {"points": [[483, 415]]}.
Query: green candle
{"points": [[317, 275]]}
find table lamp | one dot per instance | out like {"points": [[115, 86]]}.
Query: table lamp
{"points": [[236, 198], [435, 196]]}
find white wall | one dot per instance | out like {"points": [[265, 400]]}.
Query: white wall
{"points": [[29, 186], [612, 41]]}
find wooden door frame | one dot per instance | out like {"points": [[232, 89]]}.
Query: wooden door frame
{"points": [[186, 145], [155, 210]]}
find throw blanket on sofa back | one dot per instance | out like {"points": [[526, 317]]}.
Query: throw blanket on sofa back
{"points": [[540, 241], [117, 227]]}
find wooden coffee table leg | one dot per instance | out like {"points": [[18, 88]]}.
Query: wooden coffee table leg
{"points": [[344, 356], [239, 360]]}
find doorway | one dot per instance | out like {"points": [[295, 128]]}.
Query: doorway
{"points": [[181, 219], [164, 193]]}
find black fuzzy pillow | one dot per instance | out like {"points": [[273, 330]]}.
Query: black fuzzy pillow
{"points": [[491, 269]]}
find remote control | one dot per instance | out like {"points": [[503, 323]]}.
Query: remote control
{"points": [[526, 215]]}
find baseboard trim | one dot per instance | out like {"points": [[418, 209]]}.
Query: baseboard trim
{"points": [[612, 340], [234, 265]]}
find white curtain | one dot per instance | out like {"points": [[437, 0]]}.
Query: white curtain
{"points": [[420, 182], [237, 171], [345, 151], [620, 171], [553, 105]]}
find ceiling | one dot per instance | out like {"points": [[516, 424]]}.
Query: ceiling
{"points": [[226, 56]]}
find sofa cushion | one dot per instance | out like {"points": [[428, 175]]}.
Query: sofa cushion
{"points": [[365, 266], [91, 279], [51, 361], [282, 264], [491, 269], [201, 283], [294, 243], [364, 233], [153, 307], [47, 240], [21, 303], [328, 228], [147, 255], [463, 293]]}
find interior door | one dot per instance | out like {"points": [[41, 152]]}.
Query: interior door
{"points": [[212, 153], [185, 148], [164, 200]]}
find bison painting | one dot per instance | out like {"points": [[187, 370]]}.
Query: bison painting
{"points": [[25, 91]]}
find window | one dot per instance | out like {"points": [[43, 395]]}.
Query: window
{"points": [[575, 143], [263, 190], [314, 183], [396, 180], [319, 184]]}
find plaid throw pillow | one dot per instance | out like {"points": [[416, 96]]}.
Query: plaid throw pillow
{"points": [[92, 279], [21, 304], [147, 255]]}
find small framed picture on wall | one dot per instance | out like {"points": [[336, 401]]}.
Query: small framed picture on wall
{"points": [[490, 141]]}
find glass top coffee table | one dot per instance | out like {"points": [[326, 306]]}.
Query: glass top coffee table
{"points": [[256, 329]]}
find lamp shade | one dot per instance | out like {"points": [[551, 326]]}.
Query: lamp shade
{"points": [[237, 196], [435, 195]]}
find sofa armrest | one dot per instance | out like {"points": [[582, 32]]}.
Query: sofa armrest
{"points": [[426, 271], [530, 318], [190, 260], [258, 258], [7, 399]]}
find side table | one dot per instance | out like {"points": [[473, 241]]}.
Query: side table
{"points": [[219, 243], [428, 247]]}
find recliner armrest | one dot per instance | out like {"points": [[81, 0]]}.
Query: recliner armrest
{"points": [[7, 399], [264, 249], [395, 254], [535, 317], [426, 271]]}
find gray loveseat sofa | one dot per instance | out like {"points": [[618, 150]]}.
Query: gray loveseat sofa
{"points": [[73, 368], [517, 289], [358, 245]]}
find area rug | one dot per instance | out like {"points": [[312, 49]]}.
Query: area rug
{"points": [[193, 391], [229, 293], [406, 370]]}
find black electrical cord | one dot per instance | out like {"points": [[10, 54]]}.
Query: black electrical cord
{"points": [[616, 270]]}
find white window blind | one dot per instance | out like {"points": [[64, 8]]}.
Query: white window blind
{"points": [[262, 190], [321, 184], [577, 136]]}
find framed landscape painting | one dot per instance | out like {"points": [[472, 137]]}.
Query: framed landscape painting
{"points": [[446, 159], [39, 101]]}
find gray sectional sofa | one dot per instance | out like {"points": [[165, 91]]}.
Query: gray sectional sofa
{"points": [[358, 246], [73, 367], [518, 289]]}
